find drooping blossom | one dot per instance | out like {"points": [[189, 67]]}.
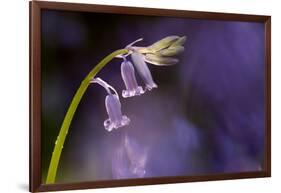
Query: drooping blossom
{"points": [[143, 70], [129, 78], [113, 107]]}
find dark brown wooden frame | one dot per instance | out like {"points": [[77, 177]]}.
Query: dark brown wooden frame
{"points": [[35, 8]]}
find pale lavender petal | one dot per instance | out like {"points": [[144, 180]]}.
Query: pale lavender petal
{"points": [[113, 108], [129, 78], [143, 70]]}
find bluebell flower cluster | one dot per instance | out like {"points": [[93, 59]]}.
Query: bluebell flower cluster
{"points": [[161, 53]]}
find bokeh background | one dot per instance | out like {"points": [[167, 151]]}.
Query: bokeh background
{"points": [[206, 117]]}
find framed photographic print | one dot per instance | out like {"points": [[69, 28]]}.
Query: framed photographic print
{"points": [[123, 96]]}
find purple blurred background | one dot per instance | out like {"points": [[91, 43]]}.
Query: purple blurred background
{"points": [[206, 116]]}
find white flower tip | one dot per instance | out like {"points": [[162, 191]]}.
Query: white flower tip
{"points": [[130, 93], [151, 86], [109, 125]]}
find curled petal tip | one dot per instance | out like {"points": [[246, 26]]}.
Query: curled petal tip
{"points": [[130, 93], [110, 125], [151, 86]]}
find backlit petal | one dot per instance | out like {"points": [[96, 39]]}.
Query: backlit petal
{"points": [[113, 108], [143, 70], [129, 79]]}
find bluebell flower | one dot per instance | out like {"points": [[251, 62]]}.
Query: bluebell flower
{"points": [[161, 53], [143, 70], [129, 78], [113, 107]]}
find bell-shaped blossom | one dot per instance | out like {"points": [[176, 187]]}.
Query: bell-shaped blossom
{"points": [[113, 107], [160, 53], [143, 70], [129, 78]]}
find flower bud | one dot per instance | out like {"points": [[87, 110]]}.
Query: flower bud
{"points": [[163, 43], [159, 60], [172, 51]]}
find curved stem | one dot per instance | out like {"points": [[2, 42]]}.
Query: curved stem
{"points": [[51, 176]]}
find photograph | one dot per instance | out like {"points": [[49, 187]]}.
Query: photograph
{"points": [[185, 98]]}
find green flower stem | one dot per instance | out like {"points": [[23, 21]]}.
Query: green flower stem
{"points": [[51, 176]]}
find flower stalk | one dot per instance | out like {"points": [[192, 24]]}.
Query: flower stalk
{"points": [[52, 171]]}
